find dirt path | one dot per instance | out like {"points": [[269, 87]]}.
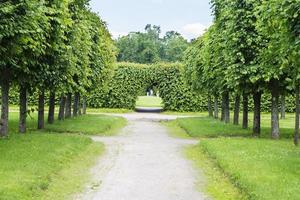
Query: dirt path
{"points": [[143, 163]]}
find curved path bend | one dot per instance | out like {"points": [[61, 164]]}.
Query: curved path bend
{"points": [[144, 163]]}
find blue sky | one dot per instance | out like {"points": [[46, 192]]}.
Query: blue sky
{"points": [[189, 17]]}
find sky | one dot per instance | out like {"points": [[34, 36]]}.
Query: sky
{"points": [[188, 17]]}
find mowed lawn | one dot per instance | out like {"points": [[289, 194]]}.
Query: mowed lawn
{"points": [[259, 168], [208, 127], [89, 124], [149, 101], [263, 169], [53, 163], [43, 166]]}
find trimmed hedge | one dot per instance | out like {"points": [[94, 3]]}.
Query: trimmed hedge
{"points": [[131, 80]]}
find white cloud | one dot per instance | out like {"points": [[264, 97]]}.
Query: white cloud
{"points": [[194, 30]]}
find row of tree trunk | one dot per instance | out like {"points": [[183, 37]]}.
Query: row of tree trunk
{"points": [[65, 108], [213, 108]]}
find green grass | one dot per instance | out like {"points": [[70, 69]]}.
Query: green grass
{"points": [[89, 124], [51, 164], [174, 130], [86, 124], [217, 184], [44, 166], [240, 167], [263, 169], [108, 110], [208, 127], [147, 101]]}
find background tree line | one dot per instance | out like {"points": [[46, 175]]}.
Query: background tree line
{"points": [[148, 47], [59, 48], [252, 48]]}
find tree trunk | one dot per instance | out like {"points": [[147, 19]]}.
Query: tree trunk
{"points": [[23, 109], [62, 104], [282, 107], [245, 110], [4, 108], [84, 105], [296, 135], [75, 105], [223, 108], [275, 112], [209, 106], [237, 110], [79, 105], [41, 112], [226, 108], [68, 112], [257, 114], [216, 107], [51, 107]]}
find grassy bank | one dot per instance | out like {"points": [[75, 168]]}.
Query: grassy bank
{"points": [[53, 163], [240, 167], [208, 127], [86, 124], [89, 124], [263, 169], [41, 166]]}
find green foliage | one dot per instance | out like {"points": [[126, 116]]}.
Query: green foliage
{"points": [[132, 80], [149, 48]]}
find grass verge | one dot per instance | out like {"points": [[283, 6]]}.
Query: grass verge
{"points": [[45, 166], [263, 169], [148, 101], [217, 184], [89, 124], [208, 127]]}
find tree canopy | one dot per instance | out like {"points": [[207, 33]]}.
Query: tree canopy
{"points": [[148, 47]]}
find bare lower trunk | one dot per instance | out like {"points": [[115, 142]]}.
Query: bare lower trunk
{"points": [[76, 104], [282, 107], [245, 111], [275, 112], [51, 107], [62, 104], [296, 135], [216, 107], [68, 112], [4, 108], [79, 108], [41, 110], [84, 105], [23, 109], [209, 107], [227, 107], [223, 108], [257, 114], [237, 110]]}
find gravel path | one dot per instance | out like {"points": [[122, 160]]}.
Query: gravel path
{"points": [[143, 163]]}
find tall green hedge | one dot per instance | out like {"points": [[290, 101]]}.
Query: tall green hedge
{"points": [[131, 80]]}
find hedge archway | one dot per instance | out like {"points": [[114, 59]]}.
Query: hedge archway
{"points": [[132, 80]]}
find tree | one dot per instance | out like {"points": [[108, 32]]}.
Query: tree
{"points": [[21, 42], [148, 47]]}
